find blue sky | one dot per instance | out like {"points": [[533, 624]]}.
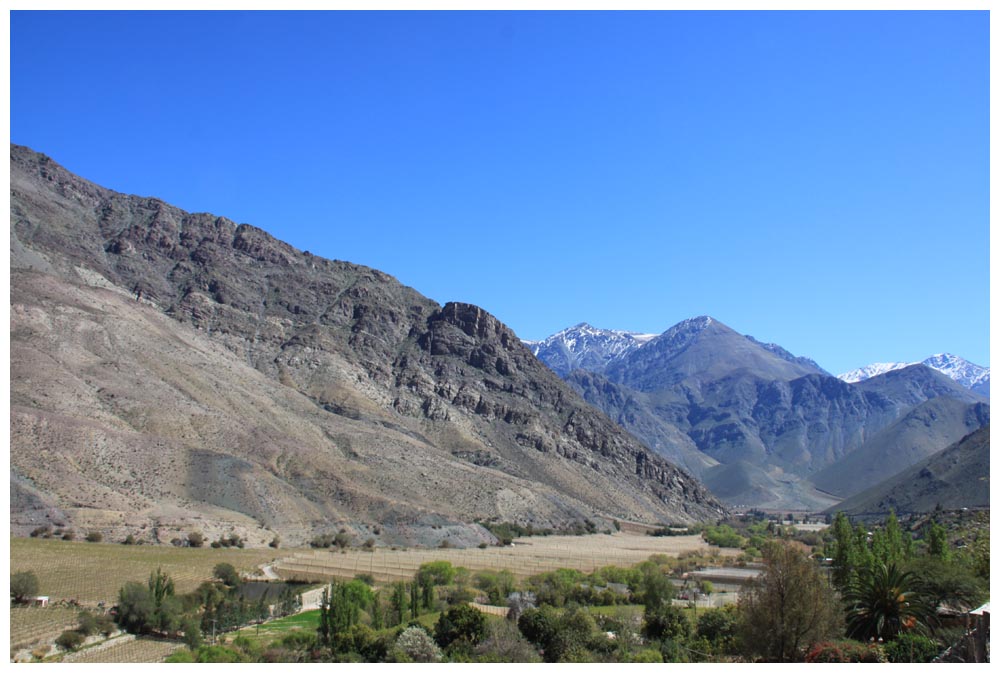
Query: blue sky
{"points": [[816, 179]]}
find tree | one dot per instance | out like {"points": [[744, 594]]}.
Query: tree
{"points": [[505, 644], [787, 608], [463, 624], [718, 628], [937, 541], [418, 646], [883, 602], [135, 607], [23, 586], [397, 602], [192, 633], [227, 574], [166, 607]]}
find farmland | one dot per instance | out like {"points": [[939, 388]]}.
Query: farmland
{"points": [[92, 572], [528, 556], [126, 650]]}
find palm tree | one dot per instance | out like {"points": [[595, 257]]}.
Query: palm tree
{"points": [[884, 601]]}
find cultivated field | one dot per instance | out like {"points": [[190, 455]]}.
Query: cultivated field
{"points": [[126, 650], [528, 556], [92, 572], [31, 625]]}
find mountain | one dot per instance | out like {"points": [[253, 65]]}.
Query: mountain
{"points": [[697, 351], [585, 347], [955, 477], [918, 434], [969, 375], [755, 424], [173, 371]]}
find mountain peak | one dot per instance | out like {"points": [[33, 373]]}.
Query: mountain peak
{"points": [[584, 346], [966, 373]]}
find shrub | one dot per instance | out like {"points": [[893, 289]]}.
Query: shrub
{"points": [[69, 536], [94, 536], [129, 539], [42, 531], [87, 623], [275, 542], [70, 640], [912, 648], [647, 657], [844, 651], [195, 539]]}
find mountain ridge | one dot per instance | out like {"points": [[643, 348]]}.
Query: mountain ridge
{"points": [[392, 399]]}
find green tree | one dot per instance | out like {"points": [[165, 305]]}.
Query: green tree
{"points": [[718, 627], [166, 606], [192, 632], [787, 608], [461, 623], [23, 586], [397, 602], [937, 541], [227, 574], [135, 608], [884, 601]]}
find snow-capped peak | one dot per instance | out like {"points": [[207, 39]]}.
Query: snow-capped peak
{"points": [[584, 346], [970, 375]]}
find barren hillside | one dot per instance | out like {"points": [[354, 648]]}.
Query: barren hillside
{"points": [[174, 371]]}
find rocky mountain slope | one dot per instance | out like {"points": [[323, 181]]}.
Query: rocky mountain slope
{"points": [[755, 423], [956, 477], [960, 370], [175, 371]]}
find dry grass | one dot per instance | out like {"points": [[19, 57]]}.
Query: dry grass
{"points": [[92, 572], [529, 556]]}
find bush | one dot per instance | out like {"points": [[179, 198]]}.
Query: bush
{"points": [[912, 648], [87, 623], [70, 640], [195, 539], [94, 536], [845, 651], [69, 536], [646, 657], [417, 645]]}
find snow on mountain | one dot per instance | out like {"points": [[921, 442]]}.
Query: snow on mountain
{"points": [[970, 375], [867, 372], [586, 347]]}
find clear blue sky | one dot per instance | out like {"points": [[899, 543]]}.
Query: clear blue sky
{"points": [[816, 179]]}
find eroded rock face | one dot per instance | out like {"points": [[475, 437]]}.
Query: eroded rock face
{"points": [[314, 391]]}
